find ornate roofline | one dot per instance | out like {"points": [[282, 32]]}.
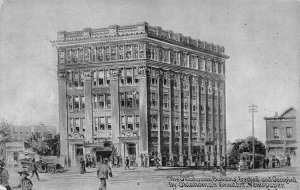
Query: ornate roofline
{"points": [[132, 31]]}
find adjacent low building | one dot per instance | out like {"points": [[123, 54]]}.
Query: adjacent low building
{"points": [[281, 134]]}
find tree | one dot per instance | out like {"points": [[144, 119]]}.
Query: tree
{"points": [[5, 131], [245, 145], [44, 146], [258, 146]]}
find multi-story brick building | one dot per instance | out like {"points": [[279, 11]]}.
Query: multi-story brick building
{"points": [[148, 91], [281, 134]]}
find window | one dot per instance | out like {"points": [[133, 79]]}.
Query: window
{"points": [[86, 55], [166, 123], [80, 55], [202, 64], [109, 123], [76, 103], [76, 79], [129, 76], [141, 50], [194, 61], [186, 124], [137, 99], [100, 78], [275, 133], [82, 102], [166, 101], [70, 103], [135, 51], [83, 124], [154, 98], [100, 52], [95, 79], [289, 132], [130, 122], [154, 123], [122, 78], [107, 53], [96, 123], [107, 77], [176, 124], [123, 122], [137, 122], [153, 78], [102, 123], [81, 79], [194, 124], [70, 79], [184, 60], [77, 125], [128, 51], [194, 103], [108, 101], [129, 99], [74, 55], [121, 52], [122, 99], [69, 54], [186, 103], [113, 52], [176, 102], [100, 101], [94, 54], [136, 75], [71, 125]]}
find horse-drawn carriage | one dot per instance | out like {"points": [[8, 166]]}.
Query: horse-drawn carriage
{"points": [[45, 165]]}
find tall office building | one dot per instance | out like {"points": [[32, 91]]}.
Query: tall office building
{"points": [[142, 92]]}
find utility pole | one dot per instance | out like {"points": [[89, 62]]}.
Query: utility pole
{"points": [[252, 109]]}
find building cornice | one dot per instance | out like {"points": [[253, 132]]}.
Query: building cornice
{"points": [[139, 30]]}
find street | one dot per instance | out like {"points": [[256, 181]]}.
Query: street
{"points": [[140, 178]]}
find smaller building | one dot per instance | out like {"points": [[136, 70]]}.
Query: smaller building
{"points": [[281, 134], [22, 133]]}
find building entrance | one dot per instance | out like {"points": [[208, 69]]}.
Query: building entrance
{"points": [[100, 155], [131, 153]]}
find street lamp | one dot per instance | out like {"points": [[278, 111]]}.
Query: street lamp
{"points": [[252, 109]]}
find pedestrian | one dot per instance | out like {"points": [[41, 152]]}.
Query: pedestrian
{"points": [[4, 176], [82, 166], [127, 163], [273, 162], [102, 173], [267, 162], [157, 160], [222, 166], [25, 183], [215, 164], [288, 160], [34, 169]]}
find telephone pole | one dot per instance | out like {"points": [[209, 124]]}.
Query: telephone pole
{"points": [[252, 109]]}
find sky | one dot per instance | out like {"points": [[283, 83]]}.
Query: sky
{"points": [[261, 38]]}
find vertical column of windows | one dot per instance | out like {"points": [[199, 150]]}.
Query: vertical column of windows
{"points": [[120, 52], [100, 53], [107, 53], [136, 75], [80, 55], [113, 53], [135, 51], [166, 120], [128, 51], [141, 51], [166, 101], [86, 56], [108, 123], [137, 122]]}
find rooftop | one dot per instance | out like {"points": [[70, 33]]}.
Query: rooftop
{"points": [[141, 28]]}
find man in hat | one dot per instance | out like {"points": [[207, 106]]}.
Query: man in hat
{"points": [[4, 176], [34, 169], [102, 173], [25, 183]]}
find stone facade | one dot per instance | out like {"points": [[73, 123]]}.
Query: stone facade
{"points": [[281, 134], [150, 92]]}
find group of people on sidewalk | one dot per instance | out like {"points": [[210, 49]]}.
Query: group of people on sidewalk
{"points": [[25, 182]]}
